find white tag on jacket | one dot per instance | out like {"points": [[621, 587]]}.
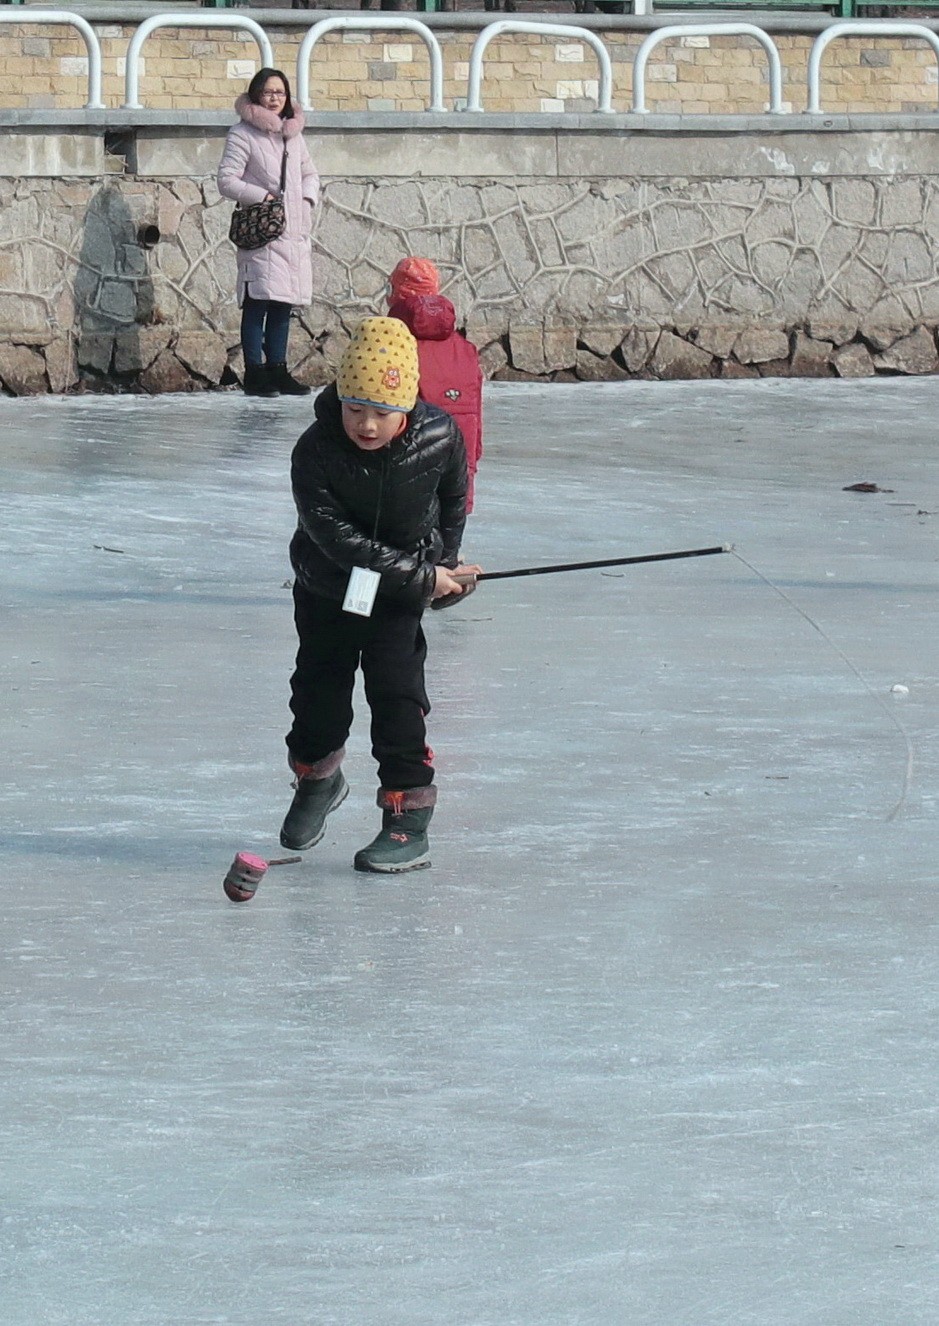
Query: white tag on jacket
{"points": [[361, 591]]}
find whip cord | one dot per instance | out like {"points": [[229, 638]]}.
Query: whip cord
{"points": [[908, 772]]}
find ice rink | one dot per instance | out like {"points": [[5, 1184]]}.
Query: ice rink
{"points": [[654, 1043]]}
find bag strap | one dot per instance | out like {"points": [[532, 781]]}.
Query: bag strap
{"points": [[283, 171]]}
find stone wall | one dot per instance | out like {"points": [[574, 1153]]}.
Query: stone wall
{"points": [[124, 280], [195, 68]]}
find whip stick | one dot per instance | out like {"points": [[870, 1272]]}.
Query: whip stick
{"points": [[610, 561]]}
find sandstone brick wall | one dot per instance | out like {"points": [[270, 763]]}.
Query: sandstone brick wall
{"points": [[193, 68]]}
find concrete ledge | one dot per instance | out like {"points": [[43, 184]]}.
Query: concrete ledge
{"points": [[33, 155], [413, 146], [503, 147], [464, 123], [813, 152], [770, 20]]}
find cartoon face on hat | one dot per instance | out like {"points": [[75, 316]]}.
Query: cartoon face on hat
{"points": [[380, 366]]}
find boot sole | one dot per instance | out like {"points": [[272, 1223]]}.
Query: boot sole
{"points": [[294, 846], [422, 864]]}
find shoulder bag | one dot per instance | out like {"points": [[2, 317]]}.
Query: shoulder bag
{"points": [[253, 227]]}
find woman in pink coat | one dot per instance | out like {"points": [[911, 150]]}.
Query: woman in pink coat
{"points": [[274, 278]]}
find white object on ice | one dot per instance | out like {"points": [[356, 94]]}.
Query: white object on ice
{"points": [[900, 689]]}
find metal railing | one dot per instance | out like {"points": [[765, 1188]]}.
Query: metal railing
{"points": [[493, 30], [394, 23], [859, 28], [92, 46], [708, 30], [203, 20], [384, 22]]}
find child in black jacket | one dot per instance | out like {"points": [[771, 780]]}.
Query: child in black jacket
{"points": [[380, 485]]}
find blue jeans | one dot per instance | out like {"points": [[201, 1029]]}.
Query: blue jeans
{"points": [[265, 326]]}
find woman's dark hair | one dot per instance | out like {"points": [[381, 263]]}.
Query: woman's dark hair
{"points": [[256, 87]]}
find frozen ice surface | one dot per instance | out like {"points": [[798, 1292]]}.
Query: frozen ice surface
{"points": [[653, 1044]]}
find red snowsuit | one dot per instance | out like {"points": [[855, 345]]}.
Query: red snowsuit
{"points": [[449, 366]]}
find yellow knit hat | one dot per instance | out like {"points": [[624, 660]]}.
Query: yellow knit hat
{"points": [[380, 366]]}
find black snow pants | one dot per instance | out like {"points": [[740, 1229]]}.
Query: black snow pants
{"points": [[391, 648]]}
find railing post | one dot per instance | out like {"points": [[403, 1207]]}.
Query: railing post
{"points": [[493, 30], [387, 22], [132, 76], [860, 28], [92, 45], [708, 30]]}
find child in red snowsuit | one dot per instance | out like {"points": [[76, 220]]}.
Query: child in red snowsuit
{"points": [[450, 375]]}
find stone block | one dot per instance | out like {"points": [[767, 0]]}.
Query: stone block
{"points": [[492, 359], [677, 359], [136, 350], [886, 323], [601, 340], [760, 345], [913, 354], [94, 351], [853, 361], [560, 348], [526, 346], [491, 326], [854, 200], [61, 365], [510, 374], [636, 347], [598, 368], [811, 358], [117, 301], [911, 257], [718, 341], [22, 370], [539, 350], [733, 371], [776, 368], [170, 211], [166, 374], [838, 331], [171, 262], [202, 352], [64, 310]]}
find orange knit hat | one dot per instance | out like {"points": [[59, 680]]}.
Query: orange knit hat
{"points": [[415, 276]]}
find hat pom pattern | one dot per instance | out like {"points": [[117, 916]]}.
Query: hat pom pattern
{"points": [[380, 366]]}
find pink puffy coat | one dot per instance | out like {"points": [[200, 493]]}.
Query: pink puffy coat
{"points": [[250, 168]]}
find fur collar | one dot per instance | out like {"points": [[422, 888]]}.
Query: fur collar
{"points": [[268, 121]]}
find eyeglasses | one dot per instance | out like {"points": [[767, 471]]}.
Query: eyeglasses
{"points": [[269, 92]]}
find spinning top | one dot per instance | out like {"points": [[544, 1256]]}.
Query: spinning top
{"points": [[247, 871]]}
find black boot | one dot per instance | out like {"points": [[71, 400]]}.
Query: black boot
{"points": [[402, 843], [313, 800], [285, 384], [259, 381]]}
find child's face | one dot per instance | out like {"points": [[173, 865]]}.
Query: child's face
{"points": [[371, 428]]}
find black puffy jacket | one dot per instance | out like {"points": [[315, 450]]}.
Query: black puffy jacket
{"points": [[398, 511]]}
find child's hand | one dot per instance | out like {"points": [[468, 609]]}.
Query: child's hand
{"points": [[455, 583]]}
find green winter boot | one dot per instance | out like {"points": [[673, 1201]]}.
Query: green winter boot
{"points": [[402, 844], [320, 788]]}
